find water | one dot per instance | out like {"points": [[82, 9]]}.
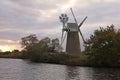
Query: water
{"points": [[17, 69]]}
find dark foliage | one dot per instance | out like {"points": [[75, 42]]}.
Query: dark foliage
{"points": [[103, 47]]}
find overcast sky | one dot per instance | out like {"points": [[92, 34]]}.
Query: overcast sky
{"points": [[19, 18]]}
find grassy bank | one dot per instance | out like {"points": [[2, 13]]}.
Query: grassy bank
{"points": [[71, 60], [11, 56], [54, 58], [60, 58]]}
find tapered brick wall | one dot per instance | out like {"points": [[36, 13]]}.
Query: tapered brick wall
{"points": [[73, 43]]}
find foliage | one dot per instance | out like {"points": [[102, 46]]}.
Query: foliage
{"points": [[29, 40], [55, 46], [103, 47], [15, 51], [51, 45], [34, 48], [45, 50], [9, 54], [35, 51]]}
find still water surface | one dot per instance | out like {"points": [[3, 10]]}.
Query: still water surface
{"points": [[17, 69]]}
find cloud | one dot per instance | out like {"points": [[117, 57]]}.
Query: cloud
{"points": [[101, 13], [20, 18]]}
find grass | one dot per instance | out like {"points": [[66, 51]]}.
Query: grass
{"points": [[60, 58], [55, 58], [10, 56]]}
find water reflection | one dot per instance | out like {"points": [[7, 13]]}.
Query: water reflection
{"points": [[89, 73], [37, 71], [72, 73], [79, 73], [106, 73], [17, 69]]}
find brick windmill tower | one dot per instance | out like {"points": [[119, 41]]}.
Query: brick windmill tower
{"points": [[71, 31]]}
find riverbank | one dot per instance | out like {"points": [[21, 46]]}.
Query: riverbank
{"points": [[14, 56], [54, 58], [59, 58]]}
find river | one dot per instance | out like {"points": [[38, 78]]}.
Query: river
{"points": [[18, 69]]}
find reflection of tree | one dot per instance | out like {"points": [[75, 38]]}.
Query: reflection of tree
{"points": [[79, 73], [106, 74], [88, 73], [72, 73]]}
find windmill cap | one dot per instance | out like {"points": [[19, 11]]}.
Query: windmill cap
{"points": [[72, 26]]}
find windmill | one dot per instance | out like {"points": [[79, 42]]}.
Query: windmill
{"points": [[71, 31]]}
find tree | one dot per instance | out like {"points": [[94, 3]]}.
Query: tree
{"points": [[51, 45], [38, 51], [35, 49], [16, 51], [54, 45], [29, 40], [45, 44], [103, 46]]}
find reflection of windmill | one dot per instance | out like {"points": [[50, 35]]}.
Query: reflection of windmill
{"points": [[72, 30]]}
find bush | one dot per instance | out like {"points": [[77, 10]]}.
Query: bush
{"points": [[103, 47]]}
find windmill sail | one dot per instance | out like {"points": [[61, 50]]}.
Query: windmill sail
{"points": [[82, 36], [82, 22], [80, 30], [74, 16], [79, 25]]}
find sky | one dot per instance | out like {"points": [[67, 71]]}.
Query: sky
{"points": [[20, 18]]}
